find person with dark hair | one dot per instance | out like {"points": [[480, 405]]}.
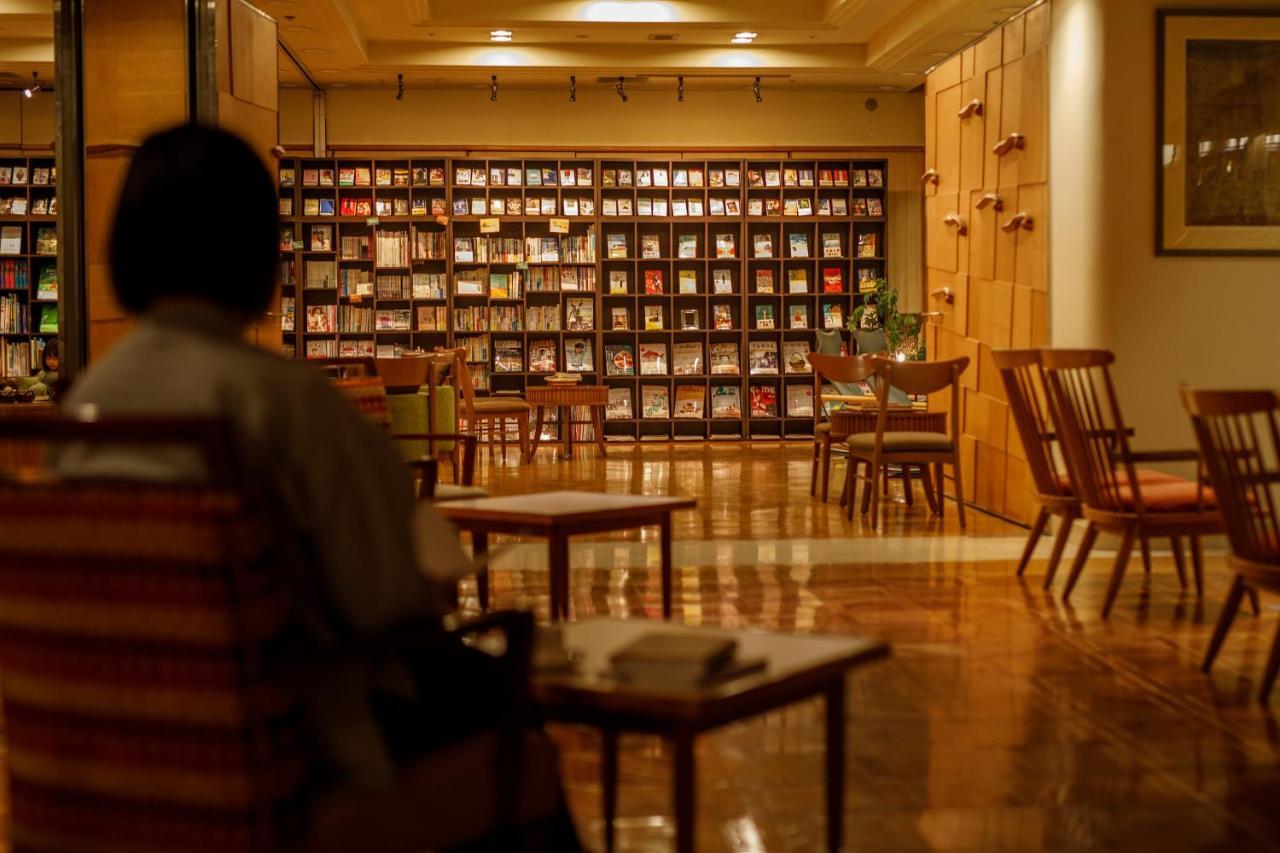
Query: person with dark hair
{"points": [[193, 258]]}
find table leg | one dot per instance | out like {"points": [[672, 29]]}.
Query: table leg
{"points": [[558, 569], [609, 782], [665, 538], [537, 432], [566, 431], [835, 765], [480, 549], [597, 423], [684, 791]]}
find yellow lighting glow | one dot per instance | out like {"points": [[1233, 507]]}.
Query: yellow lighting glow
{"points": [[501, 56], [628, 11]]}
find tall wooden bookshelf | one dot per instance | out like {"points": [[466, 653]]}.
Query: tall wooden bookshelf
{"points": [[28, 262], [700, 226]]}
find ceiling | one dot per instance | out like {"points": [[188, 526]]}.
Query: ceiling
{"points": [[26, 42], [881, 45], [876, 45]]}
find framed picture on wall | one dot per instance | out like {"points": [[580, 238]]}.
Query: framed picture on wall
{"points": [[1218, 133]]}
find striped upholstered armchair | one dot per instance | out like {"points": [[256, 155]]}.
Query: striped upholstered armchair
{"points": [[148, 681]]}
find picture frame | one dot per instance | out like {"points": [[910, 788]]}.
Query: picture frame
{"points": [[1217, 176]]}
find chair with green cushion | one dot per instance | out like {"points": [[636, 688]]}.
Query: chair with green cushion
{"points": [[871, 341]]}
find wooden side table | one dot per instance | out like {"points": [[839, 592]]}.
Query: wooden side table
{"points": [[796, 668], [564, 397], [557, 516]]}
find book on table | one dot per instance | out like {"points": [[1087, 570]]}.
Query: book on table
{"points": [[677, 657]]}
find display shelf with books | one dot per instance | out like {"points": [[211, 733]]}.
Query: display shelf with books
{"points": [[662, 253], [29, 294]]}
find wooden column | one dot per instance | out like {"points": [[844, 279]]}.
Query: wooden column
{"points": [[135, 82], [987, 138]]}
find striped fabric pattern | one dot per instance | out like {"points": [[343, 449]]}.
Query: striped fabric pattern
{"points": [[133, 630]]}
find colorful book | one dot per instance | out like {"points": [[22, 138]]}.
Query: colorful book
{"points": [[795, 357], [690, 401], [724, 359], [653, 359], [762, 358], [655, 402]]}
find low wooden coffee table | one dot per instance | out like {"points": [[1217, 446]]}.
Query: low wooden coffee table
{"points": [[564, 398], [798, 668], [557, 516]]}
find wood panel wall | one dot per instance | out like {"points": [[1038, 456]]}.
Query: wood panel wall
{"points": [[995, 272]]}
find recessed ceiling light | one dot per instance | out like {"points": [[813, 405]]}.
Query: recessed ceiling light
{"points": [[499, 35], [736, 40], [745, 35], [887, 88]]}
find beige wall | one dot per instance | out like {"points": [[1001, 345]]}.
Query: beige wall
{"points": [[1208, 322], [26, 121], [466, 118]]}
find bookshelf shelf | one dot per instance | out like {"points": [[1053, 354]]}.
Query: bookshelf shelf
{"points": [[29, 310], [626, 207]]}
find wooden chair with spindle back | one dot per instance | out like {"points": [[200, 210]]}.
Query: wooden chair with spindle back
{"points": [[155, 657], [844, 370], [906, 449], [1239, 437], [1086, 412], [483, 414], [1029, 406]]}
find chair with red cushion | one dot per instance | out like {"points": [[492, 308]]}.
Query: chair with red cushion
{"points": [[1024, 387], [153, 647], [1239, 435], [1103, 468]]}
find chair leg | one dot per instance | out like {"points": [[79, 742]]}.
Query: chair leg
{"points": [[488, 427], [1059, 545], [1117, 570], [877, 471], [1273, 668], [826, 468], [959, 484], [502, 437], [813, 477], [850, 471], [1179, 559], [1146, 554], [1082, 557], [1197, 565], [908, 484], [522, 423], [1037, 530], [941, 490], [867, 485], [926, 484], [1253, 600], [1224, 622]]}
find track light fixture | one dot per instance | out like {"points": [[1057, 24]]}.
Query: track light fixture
{"points": [[34, 87], [493, 87], [622, 93], [680, 89], [755, 87], [399, 87], [573, 88]]}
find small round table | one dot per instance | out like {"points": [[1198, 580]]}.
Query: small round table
{"points": [[564, 397]]}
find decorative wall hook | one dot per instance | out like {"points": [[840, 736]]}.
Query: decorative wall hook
{"points": [[956, 220], [973, 108], [1010, 142], [989, 200], [945, 294], [1021, 219], [930, 177]]}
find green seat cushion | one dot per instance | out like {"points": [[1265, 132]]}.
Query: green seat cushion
{"points": [[923, 442], [409, 415]]}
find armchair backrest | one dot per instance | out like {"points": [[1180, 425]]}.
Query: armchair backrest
{"points": [[138, 626], [1024, 386], [1091, 430], [1239, 441]]}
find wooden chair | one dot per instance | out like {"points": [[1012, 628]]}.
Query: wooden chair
{"points": [[909, 448], [1024, 387], [482, 414], [1086, 411], [831, 368], [1239, 437], [370, 396], [155, 658]]}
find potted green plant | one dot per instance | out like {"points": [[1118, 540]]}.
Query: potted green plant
{"points": [[879, 312]]}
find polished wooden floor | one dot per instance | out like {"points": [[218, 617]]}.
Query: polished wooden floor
{"points": [[1004, 720]]}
